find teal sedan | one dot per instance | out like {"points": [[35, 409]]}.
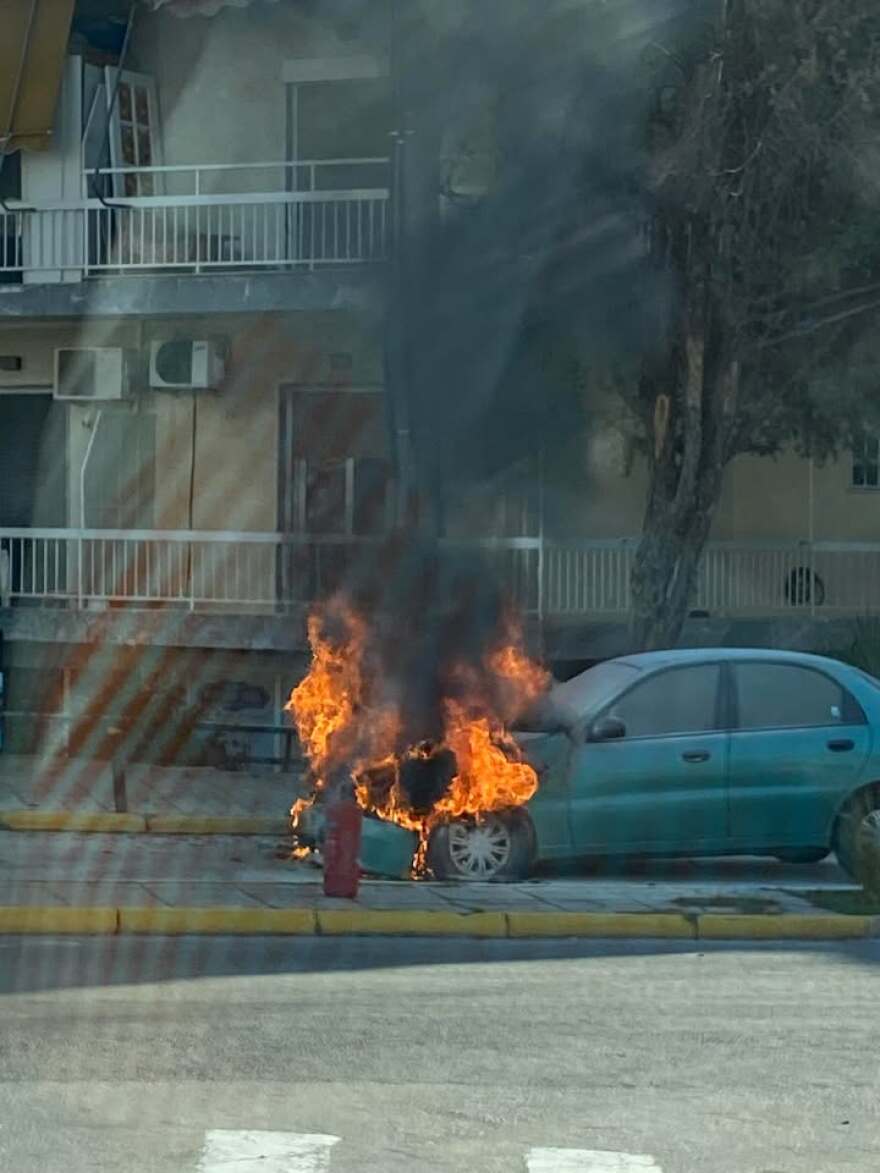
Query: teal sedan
{"points": [[720, 751]]}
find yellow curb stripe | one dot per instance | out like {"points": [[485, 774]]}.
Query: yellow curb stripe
{"points": [[111, 821], [216, 825], [173, 921], [783, 926], [429, 922], [103, 821], [41, 918], [600, 924], [408, 922]]}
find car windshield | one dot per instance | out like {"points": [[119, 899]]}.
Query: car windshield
{"points": [[584, 694]]}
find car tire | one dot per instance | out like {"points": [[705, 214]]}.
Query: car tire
{"points": [[857, 838], [497, 847], [804, 855]]}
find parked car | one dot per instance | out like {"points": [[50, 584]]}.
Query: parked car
{"points": [[699, 752]]}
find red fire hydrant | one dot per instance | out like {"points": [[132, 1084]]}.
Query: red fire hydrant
{"points": [[342, 846]]}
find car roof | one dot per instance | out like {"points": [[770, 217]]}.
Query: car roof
{"points": [[647, 661]]}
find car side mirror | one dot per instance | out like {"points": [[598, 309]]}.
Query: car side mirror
{"points": [[607, 729]]}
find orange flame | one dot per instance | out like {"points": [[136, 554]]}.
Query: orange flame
{"points": [[343, 727], [323, 703]]}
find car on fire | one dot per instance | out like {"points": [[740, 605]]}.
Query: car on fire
{"points": [[690, 753]]}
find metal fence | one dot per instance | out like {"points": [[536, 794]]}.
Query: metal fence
{"points": [[212, 570], [290, 224], [260, 572]]}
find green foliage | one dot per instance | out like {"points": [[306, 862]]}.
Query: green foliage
{"points": [[766, 182]]}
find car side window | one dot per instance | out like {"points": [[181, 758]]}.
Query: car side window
{"points": [[785, 696], [681, 700]]}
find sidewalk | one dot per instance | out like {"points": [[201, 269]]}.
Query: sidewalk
{"points": [[225, 885], [159, 798], [212, 866]]}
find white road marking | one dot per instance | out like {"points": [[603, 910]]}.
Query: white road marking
{"points": [[588, 1161], [232, 1151]]}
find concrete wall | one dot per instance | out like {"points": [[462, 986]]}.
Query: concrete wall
{"points": [[595, 485], [597, 488], [66, 698], [220, 81], [55, 175], [235, 474]]}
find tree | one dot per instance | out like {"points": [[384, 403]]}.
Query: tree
{"points": [[764, 185]]}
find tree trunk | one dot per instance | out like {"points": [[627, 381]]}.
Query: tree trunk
{"points": [[664, 573], [691, 430]]}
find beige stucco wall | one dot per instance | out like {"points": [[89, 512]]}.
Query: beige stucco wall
{"points": [[236, 457], [764, 497], [596, 489], [595, 486]]}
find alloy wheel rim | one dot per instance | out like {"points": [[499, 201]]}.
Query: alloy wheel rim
{"points": [[479, 850]]}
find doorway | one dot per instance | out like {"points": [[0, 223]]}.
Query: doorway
{"points": [[334, 483], [33, 479]]}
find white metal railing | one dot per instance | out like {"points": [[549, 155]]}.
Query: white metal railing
{"points": [[734, 578], [208, 569], [200, 179], [280, 217]]}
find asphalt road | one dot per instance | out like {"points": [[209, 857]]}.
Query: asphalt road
{"points": [[186, 1055]]}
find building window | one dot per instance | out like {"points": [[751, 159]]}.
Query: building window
{"points": [[866, 462]]}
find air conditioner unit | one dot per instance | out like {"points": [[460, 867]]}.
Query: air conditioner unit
{"points": [[185, 364], [89, 373]]}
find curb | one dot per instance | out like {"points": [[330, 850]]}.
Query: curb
{"points": [[93, 821], [112, 822], [216, 825], [358, 921]]}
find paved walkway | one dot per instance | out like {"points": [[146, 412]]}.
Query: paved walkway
{"points": [[98, 882], [77, 784], [251, 872]]}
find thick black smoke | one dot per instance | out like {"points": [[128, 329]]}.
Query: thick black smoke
{"points": [[509, 295], [432, 614]]}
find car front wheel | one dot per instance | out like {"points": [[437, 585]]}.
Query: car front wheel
{"points": [[495, 846]]}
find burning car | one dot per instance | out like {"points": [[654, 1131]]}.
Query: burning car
{"points": [[429, 750], [675, 753]]}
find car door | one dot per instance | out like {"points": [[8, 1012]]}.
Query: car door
{"points": [[799, 744], [662, 786]]}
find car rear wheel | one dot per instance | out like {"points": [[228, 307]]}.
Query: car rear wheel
{"points": [[497, 846], [857, 840]]}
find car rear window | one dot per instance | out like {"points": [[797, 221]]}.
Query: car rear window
{"points": [[773, 696]]}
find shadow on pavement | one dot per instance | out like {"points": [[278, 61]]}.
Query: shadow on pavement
{"points": [[31, 964]]}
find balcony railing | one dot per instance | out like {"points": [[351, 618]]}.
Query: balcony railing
{"points": [[262, 572], [734, 578], [219, 217], [210, 570]]}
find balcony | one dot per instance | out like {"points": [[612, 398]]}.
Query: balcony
{"points": [[201, 220], [266, 573]]}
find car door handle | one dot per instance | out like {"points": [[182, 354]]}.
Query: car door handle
{"points": [[841, 744], [696, 755]]}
